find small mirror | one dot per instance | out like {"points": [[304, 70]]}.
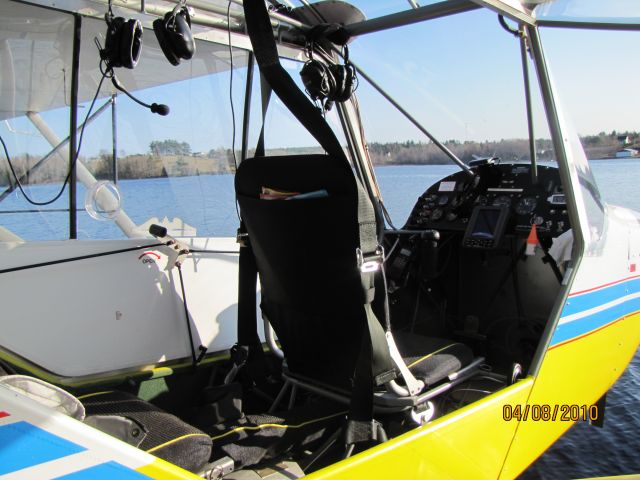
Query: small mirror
{"points": [[103, 200]]}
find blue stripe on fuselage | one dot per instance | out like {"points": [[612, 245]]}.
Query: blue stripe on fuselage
{"points": [[584, 325], [23, 445], [589, 300]]}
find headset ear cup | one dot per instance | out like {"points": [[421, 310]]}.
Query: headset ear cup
{"points": [[332, 82], [174, 36], [339, 76], [183, 44], [123, 43], [111, 51], [345, 82], [130, 43], [159, 27], [316, 79]]}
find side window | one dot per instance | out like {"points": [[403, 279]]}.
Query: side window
{"points": [[600, 122], [284, 134], [175, 169], [34, 125]]}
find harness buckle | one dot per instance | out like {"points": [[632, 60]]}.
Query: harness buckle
{"points": [[370, 262], [242, 238]]}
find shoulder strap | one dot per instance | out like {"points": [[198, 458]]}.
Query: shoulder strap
{"points": [[265, 93], [266, 53]]}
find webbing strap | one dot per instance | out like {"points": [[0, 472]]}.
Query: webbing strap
{"points": [[265, 93], [247, 322], [266, 53]]}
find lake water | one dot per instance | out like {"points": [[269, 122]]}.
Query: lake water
{"points": [[207, 203]]}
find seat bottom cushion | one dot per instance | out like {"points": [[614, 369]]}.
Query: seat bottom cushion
{"points": [[167, 436], [432, 359]]}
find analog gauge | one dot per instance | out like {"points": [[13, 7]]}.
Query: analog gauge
{"points": [[526, 205], [502, 200], [443, 200], [437, 214], [481, 200]]}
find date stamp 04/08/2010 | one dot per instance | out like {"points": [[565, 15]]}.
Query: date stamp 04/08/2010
{"points": [[550, 413]]}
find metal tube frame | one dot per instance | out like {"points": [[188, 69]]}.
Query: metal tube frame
{"points": [[588, 25], [114, 137], [246, 116], [408, 17], [527, 96], [555, 130], [73, 127]]}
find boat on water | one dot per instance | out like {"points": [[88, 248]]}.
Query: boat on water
{"points": [[627, 153], [321, 340]]}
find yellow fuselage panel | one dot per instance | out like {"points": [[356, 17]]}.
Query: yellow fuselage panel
{"points": [[469, 443], [577, 372]]}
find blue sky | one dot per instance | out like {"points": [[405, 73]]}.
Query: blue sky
{"points": [[460, 76]]}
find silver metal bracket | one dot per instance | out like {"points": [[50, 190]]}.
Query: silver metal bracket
{"points": [[242, 238], [219, 469], [370, 262], [414, 386], [423, 416]]}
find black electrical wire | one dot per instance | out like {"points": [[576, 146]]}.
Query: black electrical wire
{"points": [[214, 251], [71, 167], [233, 111], [104, 254], [186, 315], [503, 24], [81, 257]]}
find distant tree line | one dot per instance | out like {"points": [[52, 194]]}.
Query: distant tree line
{"points": [[174, 158], [417, 153]]}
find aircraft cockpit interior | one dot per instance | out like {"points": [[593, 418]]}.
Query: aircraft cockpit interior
{"points": [[236, 280], [476, 262]]}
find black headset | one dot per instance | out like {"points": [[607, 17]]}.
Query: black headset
{"points": [[174, 35], [329, 83], [123, 43]]}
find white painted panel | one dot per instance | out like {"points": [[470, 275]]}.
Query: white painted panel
{"points": [[117, 311]]}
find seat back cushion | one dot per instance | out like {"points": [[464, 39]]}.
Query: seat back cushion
{"points": [[305, 251]]}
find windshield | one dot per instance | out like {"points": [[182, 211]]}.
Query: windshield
{"points": [[469, 96]]}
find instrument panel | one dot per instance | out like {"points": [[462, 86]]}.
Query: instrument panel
{"points": [[448, 205]]}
